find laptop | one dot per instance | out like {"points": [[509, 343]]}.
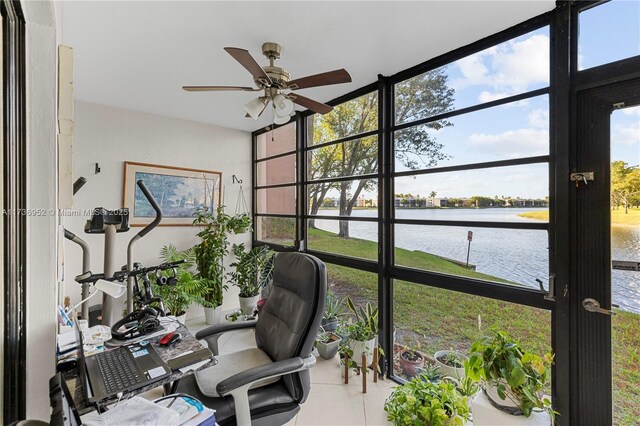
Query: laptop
{"points": [[123, 369]]}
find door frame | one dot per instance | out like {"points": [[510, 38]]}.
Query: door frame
{"points": [[589, 236]]}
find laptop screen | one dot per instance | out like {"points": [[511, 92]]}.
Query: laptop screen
{"points": [[82, 367]]}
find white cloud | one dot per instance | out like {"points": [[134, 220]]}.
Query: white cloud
{"points": [[486, 96], [631, 111], [626, 135], [509, 68], [513, 143], [539, 118]]}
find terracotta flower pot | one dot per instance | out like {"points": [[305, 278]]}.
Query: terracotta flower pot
{"points": [[411, 362]]}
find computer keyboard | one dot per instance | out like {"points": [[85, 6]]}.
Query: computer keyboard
{"points": [[118, 370]]}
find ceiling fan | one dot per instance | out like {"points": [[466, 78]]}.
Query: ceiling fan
{"points": [[277, 85]]}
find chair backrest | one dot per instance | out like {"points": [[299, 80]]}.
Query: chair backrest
{"points": [[289, 321]]}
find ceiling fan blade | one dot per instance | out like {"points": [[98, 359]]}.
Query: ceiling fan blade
{"points": [[246, 60], [218, 88], [314, 106], [323, 79]]}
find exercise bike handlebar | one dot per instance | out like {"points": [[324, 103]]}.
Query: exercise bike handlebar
{"points": [[139, 235], [161, 267], [155, 206]]}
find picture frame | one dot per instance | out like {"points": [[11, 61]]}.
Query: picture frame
{"points": [[179, 191]]}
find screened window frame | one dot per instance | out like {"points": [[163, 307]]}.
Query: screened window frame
{"points": [[386, 172]]}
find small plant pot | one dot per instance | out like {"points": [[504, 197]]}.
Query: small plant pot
{"points": [[330, 349], [411, 362], [448, 370], [248, 304], [358, 347], [182, 318], [213, 316], [511, 404], [329, 324]]}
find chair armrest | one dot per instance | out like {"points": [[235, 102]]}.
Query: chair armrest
{"points": [[223, 328], [278, 368]]}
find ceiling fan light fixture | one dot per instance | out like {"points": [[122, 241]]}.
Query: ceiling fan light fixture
{"points": [[283, 106], [255, 107], [281, 119]]}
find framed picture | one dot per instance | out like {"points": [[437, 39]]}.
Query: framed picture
{"points": [[179, 192]]}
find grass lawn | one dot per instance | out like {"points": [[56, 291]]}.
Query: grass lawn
{"points": [[443, 319], [618, 216]]}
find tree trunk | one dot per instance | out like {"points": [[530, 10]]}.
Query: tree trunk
{"points": [[344, 229]]}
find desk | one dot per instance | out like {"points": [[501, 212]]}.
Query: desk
{"points": [[188, 343]]}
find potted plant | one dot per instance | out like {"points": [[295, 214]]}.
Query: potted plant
{"points": [[332, 310], [467, 387], [429, 372], [176, 298], [411, 359], [328, 344], [210, 253], [252, 270], [514, 378], [422, 402], [451, 363], [360, 333]]}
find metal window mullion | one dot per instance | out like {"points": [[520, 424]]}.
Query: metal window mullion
{"points": [[342, 218], [342, 179], [276, 185], [476, 166], [301, 190], [385, 214], [350, 138], [273, 157], [521, 295], [473, 224], [473, 108]]}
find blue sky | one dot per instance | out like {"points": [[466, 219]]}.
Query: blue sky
{"points": [[521, 129]]}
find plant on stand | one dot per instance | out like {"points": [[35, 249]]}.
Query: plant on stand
{"points": [[210, 253], [514, 378], [360, 333], [252, 271], [176, 298]]}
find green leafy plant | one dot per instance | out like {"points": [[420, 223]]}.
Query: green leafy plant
{"points": [[361, 326], [430, 372], [421, 402], [213, 247], [365, 314], [515, 373], [177, 298], [452, 359], [333, 306], [467, 386], [253, 269]]}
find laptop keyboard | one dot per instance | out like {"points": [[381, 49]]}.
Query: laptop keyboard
{"points": [[118, 370]]}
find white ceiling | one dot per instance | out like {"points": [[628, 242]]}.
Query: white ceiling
{"points": [[137, 55]]}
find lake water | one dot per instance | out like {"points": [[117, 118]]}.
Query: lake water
{"points": [[516, 255]]}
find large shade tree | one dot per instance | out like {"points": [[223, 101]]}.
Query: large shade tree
{"points": [[625, 185], [415, 147]]}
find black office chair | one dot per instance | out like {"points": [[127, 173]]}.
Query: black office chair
{"points": [[265, 385]]}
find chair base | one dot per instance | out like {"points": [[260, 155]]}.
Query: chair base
{"points": [[277, 409]]}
